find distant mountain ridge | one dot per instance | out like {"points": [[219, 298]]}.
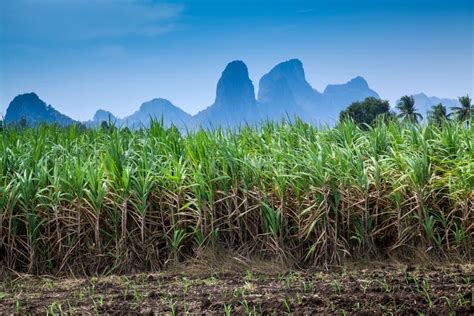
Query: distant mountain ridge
{"points": [[423, 103], [33, 110], [157, 109], [283, 92]]}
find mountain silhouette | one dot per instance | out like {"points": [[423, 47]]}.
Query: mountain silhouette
{"points": [[423, 103], [157, 109], [336, 97], [283, 92], [235, 99], [31, 109], [103, 115]]}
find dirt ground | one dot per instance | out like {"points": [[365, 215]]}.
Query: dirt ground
{"points": [[377, 289]]}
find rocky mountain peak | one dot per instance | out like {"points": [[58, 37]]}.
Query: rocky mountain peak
{"points": [[358, 82], [155, 105], [291, 69], [235, 87], [30, 107], [287, 80], [103, 115]]}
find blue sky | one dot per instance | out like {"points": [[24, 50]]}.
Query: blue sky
{"points": [[83, 55]]}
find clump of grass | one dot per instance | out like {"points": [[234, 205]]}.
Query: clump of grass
{"points": [[95, 200]]}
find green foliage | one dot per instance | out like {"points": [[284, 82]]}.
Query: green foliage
{"points": [[104, 125], [83, 200], [438, 114], [464, 112], [407, 109], [367, 112]]}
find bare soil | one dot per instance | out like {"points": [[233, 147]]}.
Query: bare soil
{"points": [[375, 289]]}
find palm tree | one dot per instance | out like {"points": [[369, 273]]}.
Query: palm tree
{"points": [[438, 114], [407, 109], [465, 111]]}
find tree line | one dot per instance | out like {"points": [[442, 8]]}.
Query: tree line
{"points": [[370, 110]]}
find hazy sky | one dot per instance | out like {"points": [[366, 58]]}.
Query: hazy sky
{"points": [[81, 55]]}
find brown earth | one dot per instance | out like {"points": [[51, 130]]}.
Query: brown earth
{"points": [[375, 289]]}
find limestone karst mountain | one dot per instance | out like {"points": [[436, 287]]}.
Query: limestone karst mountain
{"points": [[235, 99], [336, 97], [283, 92], [157, 109], [29, 108], [103, 115]]}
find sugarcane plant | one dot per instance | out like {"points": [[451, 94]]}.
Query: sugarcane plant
{"points": [[113, 199]]}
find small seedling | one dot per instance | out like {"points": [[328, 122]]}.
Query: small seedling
{"points": [[186, 285], [448, 301], [227, 309], [307, 287], [54, 309], [70, 309], [365, 285], [136, 295], [287, 305], [81, 295], [337, 286], [246, 306], [17, 306], [238, 292], [248, 276], [386, 286], [462, 300]]}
